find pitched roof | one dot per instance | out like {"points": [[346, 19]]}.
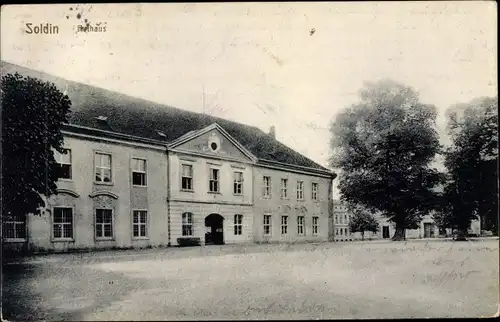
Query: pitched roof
{"points": [[141, 118]]}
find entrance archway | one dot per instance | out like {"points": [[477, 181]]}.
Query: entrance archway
{"points": [[215, 233]]}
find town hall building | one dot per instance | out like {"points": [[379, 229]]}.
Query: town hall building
{"points": [[140, 174]]}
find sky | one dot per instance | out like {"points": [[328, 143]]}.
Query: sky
{"points": [[291, 65]]}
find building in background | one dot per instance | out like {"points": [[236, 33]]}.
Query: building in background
{"points": [[140, 174], [427, 227]]}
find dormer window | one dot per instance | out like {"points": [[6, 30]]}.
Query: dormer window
{"points": [[102, 118], [160, 133]]}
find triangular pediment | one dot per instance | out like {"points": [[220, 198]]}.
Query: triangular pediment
{"points": [[213, 141]]}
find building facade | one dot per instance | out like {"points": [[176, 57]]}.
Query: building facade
{"points": [[140, 174], [427, 227]]}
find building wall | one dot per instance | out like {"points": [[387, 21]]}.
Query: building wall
{"points": [[84, 195], [290, 206], [201, 176], [201, 210]]}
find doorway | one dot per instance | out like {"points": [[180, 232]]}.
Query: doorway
{"points": [[385, 232], [428, 230], [215, 233]]}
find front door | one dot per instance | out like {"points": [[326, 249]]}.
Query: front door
{"points": [[215, 231], [385, 232], [428, 231]]}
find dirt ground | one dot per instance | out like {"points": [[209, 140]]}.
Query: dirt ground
{"points": [[418, 278]]}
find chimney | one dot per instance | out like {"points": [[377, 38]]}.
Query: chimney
{"points": [[272, 132]]}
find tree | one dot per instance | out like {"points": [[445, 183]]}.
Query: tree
{"points": [[32, 116], [361, 221], [384, 146], [471, 190]]}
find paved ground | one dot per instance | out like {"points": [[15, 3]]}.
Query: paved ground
{"points": [[386, 279]]}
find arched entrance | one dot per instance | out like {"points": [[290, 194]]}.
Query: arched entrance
{"points": [[215, 233]]}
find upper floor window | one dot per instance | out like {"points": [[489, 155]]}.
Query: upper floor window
{"points": [[238, 183], [187, 224], [139, 225], [102, 167], [238, 224], [14, 227], [300, 190], [214, 180], [284, 188], [314, 189], [62, 223], [63, 164], [187, 177], [139, 172], [267, 224], [267, 187]]}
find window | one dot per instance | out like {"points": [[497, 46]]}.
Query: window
{"points": [[238, 183], [284, 188], [284, 225], [300, 190], [187, 224], [62, 223], [102, 167], [267, 187], [214, 180], [104, 224], [336, 231], [341, 231], [14, 228], [314, 191], [345, 219], [63, 164], [300, 225], [187, 177], [315, 225], [139, 172], [267, 224], [238, 224], [139, 225], [336, 219]]}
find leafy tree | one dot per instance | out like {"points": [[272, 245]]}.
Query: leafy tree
{"points": [[384, 146], [471, 190], [32, 116], [361, 221]]}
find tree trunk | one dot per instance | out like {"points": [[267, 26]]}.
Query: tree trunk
{"points": [[362, 235], [399, 234]]}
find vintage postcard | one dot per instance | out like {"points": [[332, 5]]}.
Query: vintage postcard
{"points": [[249, 161]]}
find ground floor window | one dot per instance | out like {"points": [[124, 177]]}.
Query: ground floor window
{"points": [[15, 227], [187, 224], [238, 224], [267, 224], [284, 225], [104, 224], [300, 225], [315, 225], [139, 224], [62, 223]]}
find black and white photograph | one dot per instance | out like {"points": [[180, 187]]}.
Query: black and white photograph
{"points": [[249, 161]]}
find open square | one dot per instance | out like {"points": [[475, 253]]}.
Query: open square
{"points": [[418, 278]]}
